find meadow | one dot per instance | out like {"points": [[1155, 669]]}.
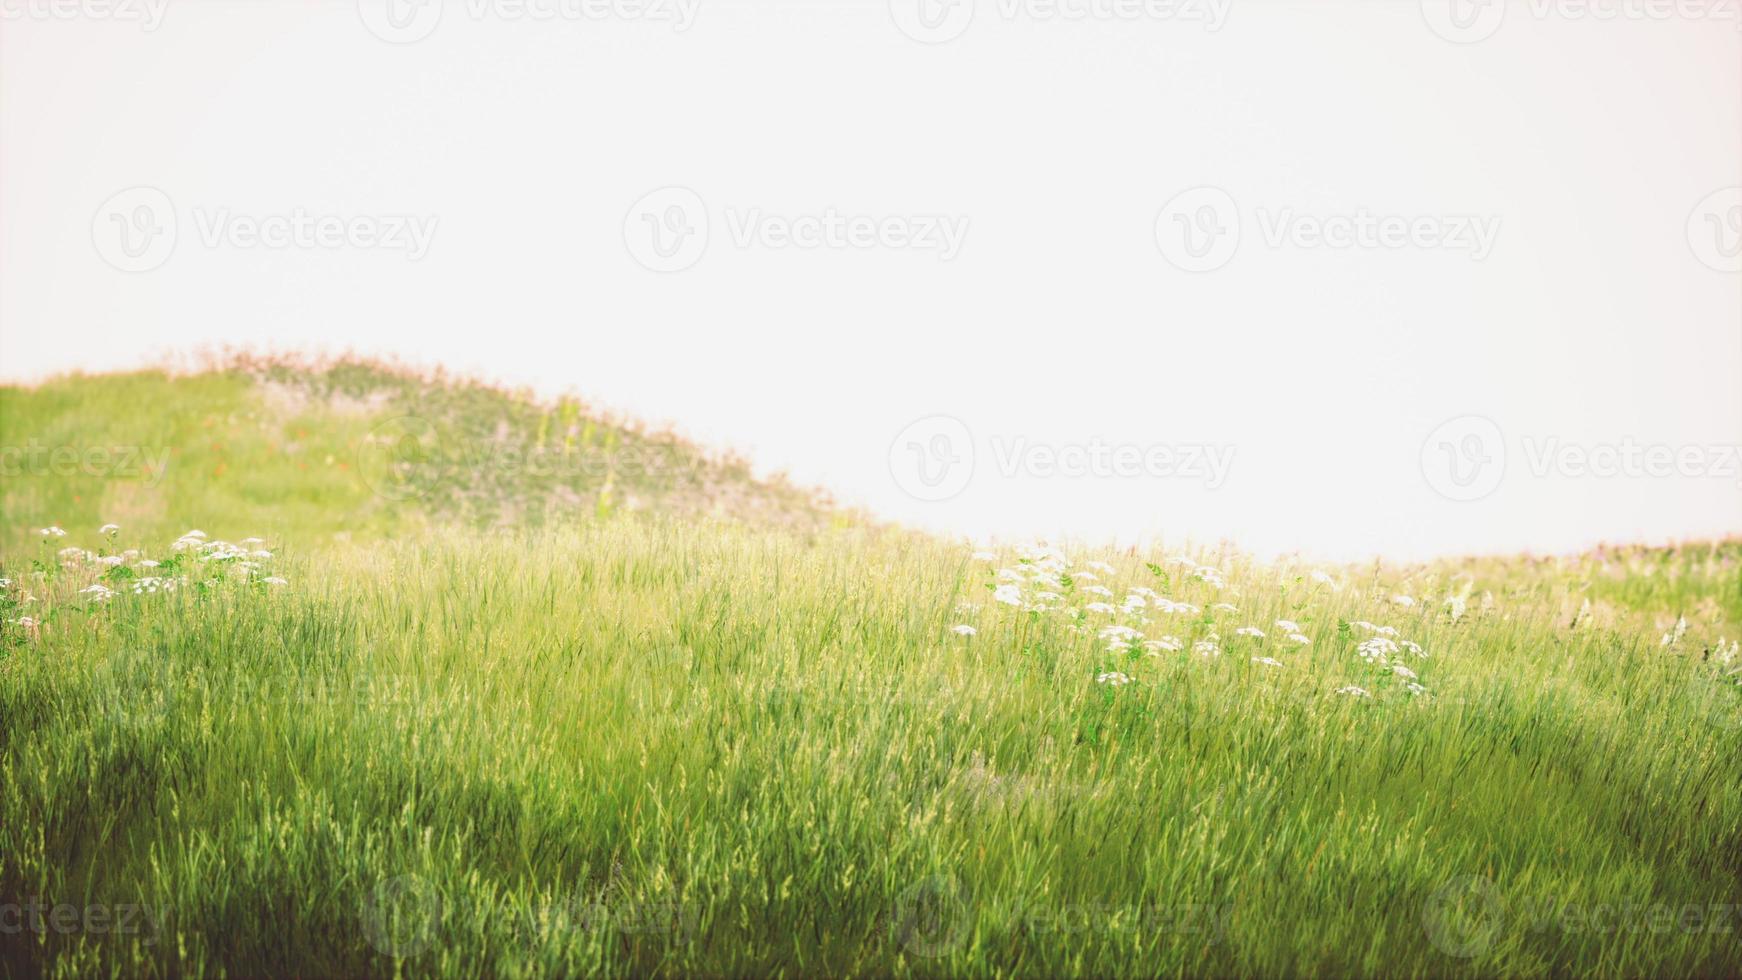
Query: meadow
{"points": [[379, 674]]}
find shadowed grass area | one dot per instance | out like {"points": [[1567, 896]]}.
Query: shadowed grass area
{"points": [[633, 744]]}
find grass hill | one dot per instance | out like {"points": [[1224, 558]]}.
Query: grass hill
{"points": [[419, 721], [312, 449]]}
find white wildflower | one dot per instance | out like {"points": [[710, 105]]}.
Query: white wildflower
{"points": [[1113, 678], [1674, 637], [1010, 595], [1376, 649], [1251, 631], [963, 630]]}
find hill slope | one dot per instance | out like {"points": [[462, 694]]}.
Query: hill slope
{"points": [[679, 747], [350, 446]]}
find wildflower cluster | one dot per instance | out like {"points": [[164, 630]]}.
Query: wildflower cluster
{"points": [[1184, 607], [1385, 655], [77, 577]]}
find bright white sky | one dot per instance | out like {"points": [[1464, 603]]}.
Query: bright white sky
{"points": [[1603, 308]]}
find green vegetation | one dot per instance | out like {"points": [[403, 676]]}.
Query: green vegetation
{"points": [[463, 718]]}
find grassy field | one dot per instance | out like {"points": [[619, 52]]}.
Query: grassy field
{"points": [[507, 688]]}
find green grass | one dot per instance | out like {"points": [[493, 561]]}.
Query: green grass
{"points": [[651, 742]]}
